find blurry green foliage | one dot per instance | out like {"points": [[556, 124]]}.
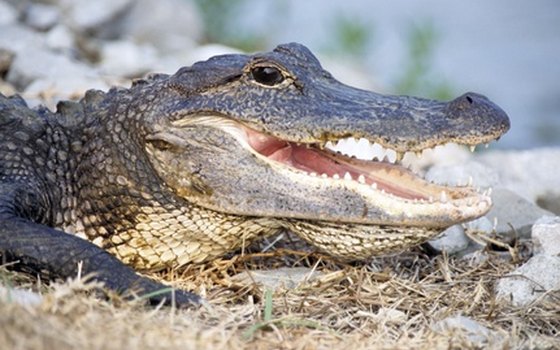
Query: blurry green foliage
{"points": [[417, 77], [220, 21], [350, 37]]}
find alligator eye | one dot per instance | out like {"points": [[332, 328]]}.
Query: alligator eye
{"points": [[267, 75]]}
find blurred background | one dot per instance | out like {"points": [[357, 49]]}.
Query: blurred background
{"points": [[508, 50]]}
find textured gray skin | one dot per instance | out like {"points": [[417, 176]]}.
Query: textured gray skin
{"points": [[100, 167]]}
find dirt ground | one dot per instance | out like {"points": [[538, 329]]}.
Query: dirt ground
{"points": [[393, 302]]}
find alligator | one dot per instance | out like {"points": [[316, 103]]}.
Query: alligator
{"points": [[183, 168]]}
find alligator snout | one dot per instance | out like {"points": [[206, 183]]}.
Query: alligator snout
{"points": [[479, 111]]}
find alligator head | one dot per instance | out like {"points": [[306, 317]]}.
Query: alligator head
{"points": [[245, 136]]}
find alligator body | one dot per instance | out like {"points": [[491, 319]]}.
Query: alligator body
{"points": [[184, 168]]}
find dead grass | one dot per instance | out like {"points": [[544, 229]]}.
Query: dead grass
{"points": [[388, 303]]}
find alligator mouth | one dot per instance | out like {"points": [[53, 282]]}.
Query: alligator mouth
{"points": [[388, 176], [406, 198]]}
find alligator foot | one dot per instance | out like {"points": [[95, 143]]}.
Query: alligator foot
{"points": [[54, 254]]}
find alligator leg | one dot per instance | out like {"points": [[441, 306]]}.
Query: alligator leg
{"points": [[54, 254]]}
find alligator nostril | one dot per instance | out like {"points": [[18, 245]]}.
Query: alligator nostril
{"points": [[469, 99]]}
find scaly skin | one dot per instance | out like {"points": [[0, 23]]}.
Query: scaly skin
{"points": [[184, 168]]}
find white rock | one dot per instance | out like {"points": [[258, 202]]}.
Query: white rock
{"points": [[525, 284], [48, 91], [531, 173], [38, 63], [514, 214], [476, 332], [126, 59], [18, 38], [546, 235], [41, 16], [167, 25], [452, 240], [92, 16], [8, 14], [60, 38], [480, 225]]}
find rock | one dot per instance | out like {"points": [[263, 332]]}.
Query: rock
{"points": [[48, 91], [126, 59], [549, 201], [172, 25], [452, 240], [41, 16], [8, 14], [285, 277], [515, 215], [482, 225], [530, 173], [546, 235], [96, 17], [476, 333], [17, 38], [37, 63], [60, 38], [459, 174], [19, 296], [525, 284]]}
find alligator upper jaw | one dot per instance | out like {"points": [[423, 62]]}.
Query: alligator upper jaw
{"points": [[388, 193]]}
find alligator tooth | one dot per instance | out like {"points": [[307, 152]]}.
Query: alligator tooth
{"points": [[313, 173], [347, 176], [443, 197], [495, 224], [431, 199], [472, 148], [400, 156], [324, 176], [418, 154], [383, 191], [362, 179], [470, 181], [336, 176], [374, 185], [322, 145]]}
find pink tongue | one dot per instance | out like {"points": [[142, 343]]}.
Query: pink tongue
{"points": [[264, 144], [312, 160]]}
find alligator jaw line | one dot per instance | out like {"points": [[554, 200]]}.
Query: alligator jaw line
{"points": [[385, 181]]}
